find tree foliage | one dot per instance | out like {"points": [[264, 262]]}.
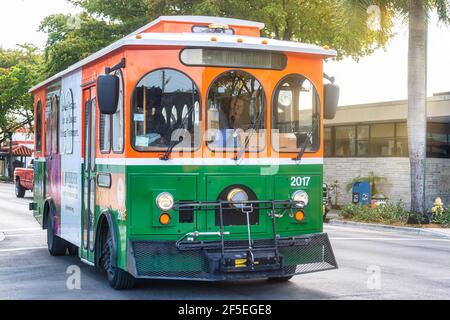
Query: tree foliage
{"points": [[20, 69], [323, 22]]}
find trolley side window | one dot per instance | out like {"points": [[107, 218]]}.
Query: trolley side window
{"points": [[117, 120], [38, 126], [105, 133], [52, 126], [166, 112], [232, 58], [295, 115], [111, 126], [236, 118]]}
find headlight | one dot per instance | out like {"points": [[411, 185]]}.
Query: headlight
{"points": [[301, 197], [165, 201], [236, 196]]}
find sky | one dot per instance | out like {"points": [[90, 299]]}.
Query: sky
{"points": [[379, 77]]}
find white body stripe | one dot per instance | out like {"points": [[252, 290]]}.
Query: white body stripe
{"points": [[206, 162]]}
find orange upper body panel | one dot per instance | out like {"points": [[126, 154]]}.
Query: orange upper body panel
{"points": [[179, 27], [141, 61]]}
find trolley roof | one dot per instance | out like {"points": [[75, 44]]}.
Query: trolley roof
{"points": [[189, 39]]}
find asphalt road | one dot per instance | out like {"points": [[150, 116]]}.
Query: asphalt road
{"points": [[373, 265]]}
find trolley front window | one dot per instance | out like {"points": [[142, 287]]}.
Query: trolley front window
{"points": [[236, 113], [234, 58], [166, 112], [296, 115]]}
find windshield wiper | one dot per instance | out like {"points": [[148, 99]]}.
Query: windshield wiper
{"points": [[247, 140], [173, 143], [309, 137]]}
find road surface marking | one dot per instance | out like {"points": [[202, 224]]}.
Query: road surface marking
{"points": [[21, 229], [22, 249], [2, 236], [24, 235]]}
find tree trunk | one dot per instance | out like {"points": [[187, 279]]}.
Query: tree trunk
{"points": [[417, 110]]}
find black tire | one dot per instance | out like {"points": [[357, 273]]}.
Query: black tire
{"points": [[20, 191], [117, 278], [56, 245], [280, 279], [72, 249]]}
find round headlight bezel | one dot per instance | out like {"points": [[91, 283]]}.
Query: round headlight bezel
{"points": [[301, 198], [165, 201], [236, 202]]}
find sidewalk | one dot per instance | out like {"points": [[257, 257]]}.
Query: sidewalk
{"points": [[333, 217]]}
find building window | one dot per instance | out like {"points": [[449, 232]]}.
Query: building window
{"points": [[328, 142], [38, 127], [401, 141], [166, 112], [362, 140], [438, 145], [382, 142], [345, 138]]}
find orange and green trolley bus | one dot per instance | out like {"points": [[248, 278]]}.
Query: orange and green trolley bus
{"points": [[191, 149]]}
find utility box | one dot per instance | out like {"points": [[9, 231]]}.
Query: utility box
{"points": [[361, 193]]}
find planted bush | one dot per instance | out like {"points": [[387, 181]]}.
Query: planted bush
{"points": [[386, 213], [442, 216]]}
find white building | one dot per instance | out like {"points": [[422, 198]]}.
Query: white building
{"points": [[373, 137]]}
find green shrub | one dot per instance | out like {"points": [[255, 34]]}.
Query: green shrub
{"points": [[387, 213], [442, 216]]}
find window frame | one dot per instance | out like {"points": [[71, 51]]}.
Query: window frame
{"points": [[266, 123], [203, 26], [109, 135], [272, 118], [250, 51], [132, 96], [38, 124], [122, 84]]}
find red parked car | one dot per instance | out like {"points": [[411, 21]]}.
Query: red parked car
{"points": [[24, 179]]}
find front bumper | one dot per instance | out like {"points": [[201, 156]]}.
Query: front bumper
{"points": [[206, 261]]}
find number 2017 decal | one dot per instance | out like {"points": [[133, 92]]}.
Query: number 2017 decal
{"points": [[300, 181]]}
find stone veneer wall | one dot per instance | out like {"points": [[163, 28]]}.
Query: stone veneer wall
{"points": [[397, 174], [438, 181]]}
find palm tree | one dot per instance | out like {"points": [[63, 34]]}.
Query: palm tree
{"points": [[417, 13]]}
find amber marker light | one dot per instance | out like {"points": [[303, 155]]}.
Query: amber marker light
{"points": [[139, 36], [240, 40], [214, 39], [164, 219], [265, 42], [299, 216]]}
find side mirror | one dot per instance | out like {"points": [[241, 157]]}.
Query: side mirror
{"points": [[331, 100], [108, 93]]}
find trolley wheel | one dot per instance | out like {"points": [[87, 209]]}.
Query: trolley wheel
{"points": [[118, 278], [56, 245], [280, 279], [20, 191], [72, 249]]}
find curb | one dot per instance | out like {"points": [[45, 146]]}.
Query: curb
{"points": [[383, 227]]}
